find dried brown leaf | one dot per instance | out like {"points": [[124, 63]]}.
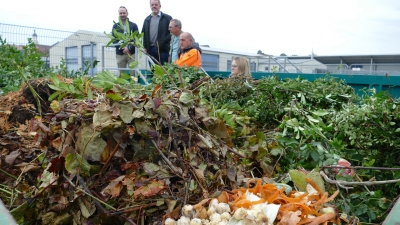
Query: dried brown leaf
{"points": [[12, 157], [26, 167], [150, 190], [156, 90]]}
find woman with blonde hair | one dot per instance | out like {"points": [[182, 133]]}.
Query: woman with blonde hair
{"points": [[240, 68]]}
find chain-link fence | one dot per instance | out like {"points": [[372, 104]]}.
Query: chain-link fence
{"points": [[74, 49]]}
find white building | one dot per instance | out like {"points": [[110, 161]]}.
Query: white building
{"points": [[80, 47], [83, 46]]}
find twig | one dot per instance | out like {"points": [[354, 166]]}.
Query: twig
{"points": [[44, 155], [181, 79], [235, 152], [166, 159], [358, 178], [368, 183], [32, 199], [5, 191], [23, 171], [134, 209], [196, 84], [97, 200], [360, 168], [187, 189], [344, 187], [158, 63], [89, 193], [14, 177], [129, 220], [198, 181], [108, 160], [280, 156], [178, 151]]}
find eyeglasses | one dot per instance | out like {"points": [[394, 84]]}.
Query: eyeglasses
{"points": [[172, 27], [234, 66]]}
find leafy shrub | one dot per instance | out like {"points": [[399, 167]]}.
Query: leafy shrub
{"points": [[29, 58]]}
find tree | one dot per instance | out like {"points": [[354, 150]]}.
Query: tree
{"points": [[283, 54]]}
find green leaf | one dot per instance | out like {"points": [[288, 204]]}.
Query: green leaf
{"points": [[276, 151], [54, 95], [361, 210], [114, 96], [186, 98], [75, 164], [262, 152], [133, 64], [320, 113], [158, 70], [90, 93], [312, 119], [193, 185], [64, 87], [55, 80], [315, 156], [55, 87], [298, 179], [120, 81], [397, 130], [125, 76], [61, 96]]}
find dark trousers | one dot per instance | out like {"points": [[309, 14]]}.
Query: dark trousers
{"points": [[163, 58]]}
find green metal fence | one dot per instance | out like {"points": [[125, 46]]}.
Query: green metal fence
{"points": [[391, 84]]}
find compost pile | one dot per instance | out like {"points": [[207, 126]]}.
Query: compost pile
{"points": [[113, 154], [112, 161]]}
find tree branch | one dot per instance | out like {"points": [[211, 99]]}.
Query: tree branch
{"points": [[367, 183]]}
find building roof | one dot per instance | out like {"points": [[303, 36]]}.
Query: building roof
{"points": [[282, 60], [90, 32], [255, 55], [352, 59]]}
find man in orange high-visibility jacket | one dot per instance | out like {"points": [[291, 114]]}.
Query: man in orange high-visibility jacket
{"points": [[190, 52]]}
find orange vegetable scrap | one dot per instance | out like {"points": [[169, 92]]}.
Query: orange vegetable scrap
{"points": [[296, 206]]}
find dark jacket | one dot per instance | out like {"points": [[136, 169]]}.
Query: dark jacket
{"points": [[163, 37], [194, 45], [133, 27]]}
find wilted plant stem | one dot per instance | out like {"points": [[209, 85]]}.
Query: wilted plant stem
{"points": [[34, 93], [166, 159], [108, 160], [14, 177]]}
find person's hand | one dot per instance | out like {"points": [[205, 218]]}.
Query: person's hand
{"points": [[126, 51]]}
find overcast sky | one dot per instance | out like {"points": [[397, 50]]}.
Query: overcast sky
{"points": [[293, 27]]}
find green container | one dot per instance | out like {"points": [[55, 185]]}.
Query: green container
{"points": [[5, 216], [393, 217]]}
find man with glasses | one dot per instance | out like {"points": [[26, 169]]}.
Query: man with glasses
{"points": [[175, 27], [157, 38], [124, 55]]}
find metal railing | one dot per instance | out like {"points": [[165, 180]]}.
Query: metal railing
{"points": [[78, 47]]}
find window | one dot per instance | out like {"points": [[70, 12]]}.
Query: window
{"points": [[253, 66], [356, 67], [210, 62], [71, 58], [89, 55], [228, 65]]}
